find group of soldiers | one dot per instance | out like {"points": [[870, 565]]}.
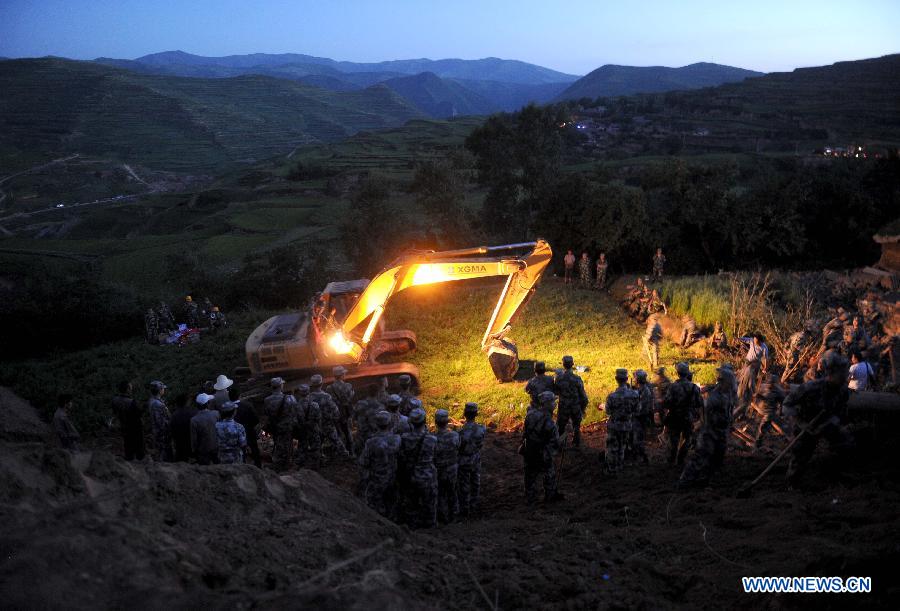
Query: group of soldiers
{"points": [[194, 316], [601, 266], [406, 473]]}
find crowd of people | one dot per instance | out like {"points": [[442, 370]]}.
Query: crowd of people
{"points": [[600, 279], [193, 316]]}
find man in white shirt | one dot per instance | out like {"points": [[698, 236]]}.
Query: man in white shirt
{"points": [[861, 374]]}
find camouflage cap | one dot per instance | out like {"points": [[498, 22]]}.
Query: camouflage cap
{"points": [[660, 371], [338, 371], [540, 367], [315, 380], [303, 389], [568, 361], [414, 403], [404, 379], [382, 419], [471, 409], [682, 368], [441, 417], [621, 373], [547, 397], [157, 386], [394, 400], [640, 375], [276, 382], [228, 407], [417, 416]]}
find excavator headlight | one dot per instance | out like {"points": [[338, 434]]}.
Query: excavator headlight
{"points": [[340, 345]]}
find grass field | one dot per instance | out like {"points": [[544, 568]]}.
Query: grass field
{"points": [[449, 321]]}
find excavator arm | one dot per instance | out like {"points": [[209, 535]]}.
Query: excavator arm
{"points": [[422, 268]]}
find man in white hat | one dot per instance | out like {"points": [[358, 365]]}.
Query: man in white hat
{"points": [[223, 383]]}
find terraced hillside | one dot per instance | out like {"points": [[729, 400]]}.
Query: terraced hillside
{"points": [[49, 107]]}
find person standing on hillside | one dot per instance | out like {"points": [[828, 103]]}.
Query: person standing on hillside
{"points": [[191, 313], [342, 393], [682, 404], [416, 473], [712, 441], [151, 326], [539, 383], [331, 415], [364, 416], [602, 267], [129, 414], [621, 405], [160, 421], [766, 403], [756, 361], [584, 271], [223, 383], [573, 400], [246, 416], [165, 318], [280, 414], [406, 394], [569, 263], [446, 462], [540, 444], [659, 262], [378, 467], [652, 336], [471, 440], [308, 428], [181, 427], [204, 438], [217, 319], [399, 422], [68, 435], [232, 437], [643, 417]]}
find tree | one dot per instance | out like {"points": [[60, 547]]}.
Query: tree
{"points": [[439, 191], [372, 231]]}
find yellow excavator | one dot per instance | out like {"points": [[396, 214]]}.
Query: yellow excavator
{"points": [[345, 325]]}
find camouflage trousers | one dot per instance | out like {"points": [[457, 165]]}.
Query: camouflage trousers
{"points": [[330, 435], [343, 427], [638, 434], [679, 433], [447, 494], [419, 499], [840, 441], [283, 451], [468, 484], [163, 443], [563, 418], [657, 271], [651, 350], [615, 449], [707, 458], [534, 468], [309, 448], [601, 280], [381, 495], [766, 419], [584, 277]]}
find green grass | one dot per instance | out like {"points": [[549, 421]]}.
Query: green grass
{"points": [[706, 298]]}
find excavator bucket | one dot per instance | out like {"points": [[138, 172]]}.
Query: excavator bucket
{"points": [[504, 359]]}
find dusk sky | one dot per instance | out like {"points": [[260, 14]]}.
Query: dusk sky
{"points": [[573, 37]]}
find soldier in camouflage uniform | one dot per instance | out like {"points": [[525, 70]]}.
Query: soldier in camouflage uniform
{"points": [[342, 392], [378, 467], [280, 409], [416, 473], [718, 340], [659, 262], [406, 394], [160, 421], [766, 403], [712, 441], [399, 422], [165, 318], [827, 396], [541, 443], [643, 417], [652, 336], [471, 440], [584, 271], [232, 436], [308, 428], [621, 406], [191, 313], [602, 267], [151, 326], [364, 417], [690, 334], [798, 342], [539, 383], [572, 400], [331, 415], [446, 461], [682, 405], [661, 383]]}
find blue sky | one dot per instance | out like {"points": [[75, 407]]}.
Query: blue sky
{"points": [[573, 37]]}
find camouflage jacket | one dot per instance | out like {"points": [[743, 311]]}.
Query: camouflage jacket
{"points": [[364, 415], [280, 412], [342, 393], [769, 397], [405, 396], [308, 415], [717, 414], [160, 418], [659, 261], [540, 433], [232, 440], [653, 333], [331, 413], [683, 401], [471, 440], [400, 423], [538, 384], [378, 459], [446, 452], [813, 397], [570, 389], [646, 401], [416, 459], [621, 405]]}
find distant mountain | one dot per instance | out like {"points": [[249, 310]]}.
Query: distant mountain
{"points": [[490, 68], [56, 106], [611, 80], [437, 97], [509, 97]]}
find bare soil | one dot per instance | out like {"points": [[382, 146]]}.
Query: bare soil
{"points": [[89, 530]]}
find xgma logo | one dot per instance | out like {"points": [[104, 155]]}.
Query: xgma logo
{"points": [[466, 269]]}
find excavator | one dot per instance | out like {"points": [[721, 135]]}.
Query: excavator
{"points": [[345, 325]]}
